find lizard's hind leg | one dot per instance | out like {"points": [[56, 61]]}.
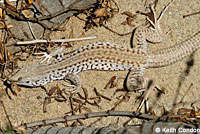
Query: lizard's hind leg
{"points": [[152, 34], [137, 83], [159, 36], [75, 80]]}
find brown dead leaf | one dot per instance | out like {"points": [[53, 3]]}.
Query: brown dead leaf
{"points": [[80, 96], [2, 25], [111, 82], [74, 124], [105, 3], [124, 22], [95, 104], [71, 34], [76, 107], [1, 13], [27, 13], [10, 26], [85, 92], [1, 57], [51, 91], [21, 130], [77, 101], [13, 92], [96, 21], [129, 21], [86, 109], [153, 113], [193, 113], [127, 13], [30, 2], [100, 12], [183, 110], [9, 5], [82, 35], [16, 86]]}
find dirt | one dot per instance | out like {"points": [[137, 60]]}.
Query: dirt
{"points": [[28, 105]]}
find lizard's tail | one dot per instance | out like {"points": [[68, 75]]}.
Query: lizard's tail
{"points": [[175, 53]]}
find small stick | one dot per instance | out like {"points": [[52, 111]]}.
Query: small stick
{"points": [[29, 25], [184, 16], [2, 1], [59, 40], [90, 115], [4, 108]]}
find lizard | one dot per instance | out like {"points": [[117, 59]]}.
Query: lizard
{"points": [[108, 56]]}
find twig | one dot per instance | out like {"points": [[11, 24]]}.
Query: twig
{"points": [[6, 113], [39, 20], [59, 40], [2, 1], [115, 32], [70, 7], [20, 17], [31, 30], [90, 115], [184, 16]]}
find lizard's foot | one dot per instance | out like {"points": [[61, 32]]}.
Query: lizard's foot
{"points": [[137, 83], [57, 51], [146, 93], [46, 57], [75, 80]]}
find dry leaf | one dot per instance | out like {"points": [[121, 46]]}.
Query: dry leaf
{"points": [[1, 57], [21, 130], [100, 12], [2, 25], [111, 82], [1, 13], [71, 34], [27, 13], [74, 124], [52, 90], [127, 13], [86, 109], [85, 92], [129, 21], [183, 110], [77, 101], [82, 35], [124, 22], [76, 108], [17, 87], [10, 6], [10, 26], [96, 21], [30, 2]]}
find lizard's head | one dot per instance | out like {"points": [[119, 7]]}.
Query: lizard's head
{"points": [[22, 77]]}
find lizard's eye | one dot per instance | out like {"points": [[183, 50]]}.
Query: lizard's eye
{"points": [[27, 82]]}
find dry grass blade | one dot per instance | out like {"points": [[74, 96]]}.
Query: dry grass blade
{"points": [[55, 41]]}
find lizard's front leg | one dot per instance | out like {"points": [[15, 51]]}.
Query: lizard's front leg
{"points": [[57, 51]]}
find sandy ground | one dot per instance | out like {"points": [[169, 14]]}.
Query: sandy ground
{"points": [[28, 105]]}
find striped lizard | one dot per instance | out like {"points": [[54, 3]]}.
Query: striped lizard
{"points": [[108, 56]]}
